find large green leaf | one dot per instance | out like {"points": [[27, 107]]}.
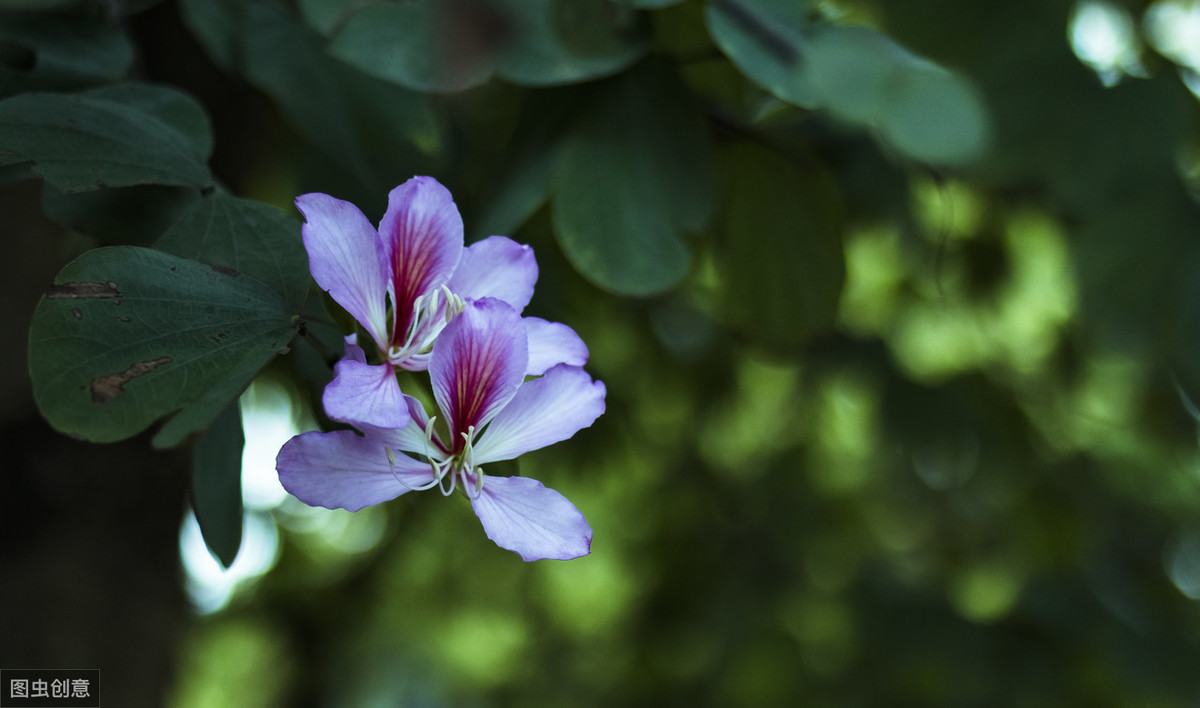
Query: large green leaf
{"points": [[446, 47], [420, 45], [58, 51], [113, 137], [765, 39], [217, 484], [924, 111], [779, 249], [127, 335], [568, 41], [379, 132], [632, 178], [129, 216], [243, 236]]}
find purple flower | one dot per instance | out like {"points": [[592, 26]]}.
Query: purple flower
{"points": [[491, 413], [404, 283]]}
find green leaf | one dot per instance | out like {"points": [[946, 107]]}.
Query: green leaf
{"points": [[520, 181], [852, 70], [935, 116], [176, 109], [568, 41], [765, 39], [779, 249], [421, 45], [326, 16], [377, 131], [104, 139], [651, 4], [127, 335], [217, 484], [250, 238], [633, 176], [60, 51], [130, 216]]}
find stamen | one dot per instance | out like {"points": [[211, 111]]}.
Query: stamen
{"points": [[467, 453], [391, 455], [454, 304], [453, 483]]}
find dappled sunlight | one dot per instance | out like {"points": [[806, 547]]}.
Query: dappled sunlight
{"points": [[211, 587], [1103, 36]]}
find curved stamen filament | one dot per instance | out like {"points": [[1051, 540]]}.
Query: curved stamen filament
{"points": [[444, 466], [425, 326]]}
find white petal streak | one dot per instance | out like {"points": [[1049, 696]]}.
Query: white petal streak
{"points": [[537, 523], [544, 411]]}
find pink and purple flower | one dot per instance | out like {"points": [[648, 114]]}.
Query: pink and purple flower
{"points": [[490, 412], [404, 282]]}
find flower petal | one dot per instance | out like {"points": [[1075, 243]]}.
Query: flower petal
{"points": [[412, 438], [551, 344], [341, 470], [496, 267], [544, 411], [422, 235], [361, 393], [347, 259], [478, 362], [521, 515]]}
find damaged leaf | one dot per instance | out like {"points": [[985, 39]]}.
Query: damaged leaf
{"points": [[128, 335]]}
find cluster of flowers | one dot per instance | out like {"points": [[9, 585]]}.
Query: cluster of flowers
{"points": [[503, 384]]}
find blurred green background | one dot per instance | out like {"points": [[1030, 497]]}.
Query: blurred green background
{"points": [[897, 305]]}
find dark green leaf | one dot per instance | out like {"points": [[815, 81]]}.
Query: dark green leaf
{"points": [[326, 16], [779, 250], [178, 110], [89, 141], [217, 484], [631, 179], [568, 41], [765, 39], [935, 116], [377, 131], [127, 335], [131, 216], [59, 51], [852, 70], [424, 46], [253, 239]]}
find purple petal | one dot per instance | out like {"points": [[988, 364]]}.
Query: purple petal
{"points": [[346, 259], [496, 267], [521, 515], [478, 362], [544, 411], [412, 438], [551, 344], [341, 470], [422, 234], [361, 393]]}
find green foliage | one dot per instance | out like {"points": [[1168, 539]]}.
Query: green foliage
{"points": [[41, 51], [217, 484], [895, 305], [778, 220], [127, 335], [633, 177], [107, 137]]}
